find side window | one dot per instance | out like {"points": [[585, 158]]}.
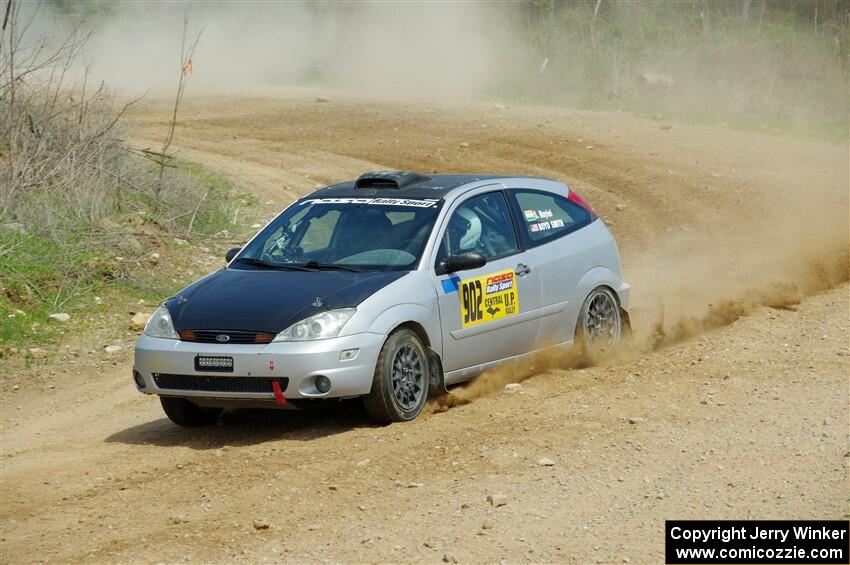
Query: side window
{"points": [[481, 224], [548, 216]]}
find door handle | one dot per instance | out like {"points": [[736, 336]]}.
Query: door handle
{"points": [[522, 269]]}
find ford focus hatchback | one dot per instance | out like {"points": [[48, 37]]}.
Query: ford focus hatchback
{"points": [[387, 288]]}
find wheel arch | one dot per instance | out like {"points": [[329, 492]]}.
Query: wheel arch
{"points": [[416, 328], [600, 276], [424, 322]]}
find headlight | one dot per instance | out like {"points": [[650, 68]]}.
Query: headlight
{"points": [[160, 325], [321, 326]]}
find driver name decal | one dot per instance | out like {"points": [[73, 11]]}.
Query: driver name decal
{"points": [[487, 298]]}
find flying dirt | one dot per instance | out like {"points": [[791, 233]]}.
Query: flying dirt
{"points": [[732, 403]]}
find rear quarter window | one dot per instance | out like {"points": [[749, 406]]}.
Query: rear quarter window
{"points": [[546, 216]]}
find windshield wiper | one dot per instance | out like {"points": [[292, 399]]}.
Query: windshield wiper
{"points": [[316, 266], [267, 265]]}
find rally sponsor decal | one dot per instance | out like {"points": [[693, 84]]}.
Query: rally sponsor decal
{"points": [[487, 298], [408, 202]]}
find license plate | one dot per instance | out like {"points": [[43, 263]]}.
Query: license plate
{"points": [[213, 363]]}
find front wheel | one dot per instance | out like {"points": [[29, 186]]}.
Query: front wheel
{"points": [[599, 330], [400, 383], [188, 414]]}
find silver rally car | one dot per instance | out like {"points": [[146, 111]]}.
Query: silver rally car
{"points": [[386, 288]]}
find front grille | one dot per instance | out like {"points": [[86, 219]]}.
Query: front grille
{"points": [[218, 384], [226, 336]]}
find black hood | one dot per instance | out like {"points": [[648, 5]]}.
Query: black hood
{"points": [[269, 301]]}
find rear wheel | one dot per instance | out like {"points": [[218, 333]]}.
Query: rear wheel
{"points": [[600, 325], [188, 414], [400, 384]]}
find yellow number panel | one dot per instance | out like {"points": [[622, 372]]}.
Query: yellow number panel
{"points": [[487, 298]]}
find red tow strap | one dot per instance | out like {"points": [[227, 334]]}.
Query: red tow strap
{"points": [[278, 393]]}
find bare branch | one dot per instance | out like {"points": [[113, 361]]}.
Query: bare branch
{"points": [[185, 71]]}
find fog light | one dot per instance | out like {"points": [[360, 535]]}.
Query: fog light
{"points": [[323, 384], [140, 382], [348, 354]]}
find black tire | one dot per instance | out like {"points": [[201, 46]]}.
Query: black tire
{"points": [[600, 332], [188, 414], [403, 402]]}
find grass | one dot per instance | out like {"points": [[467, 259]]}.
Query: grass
{"points": [[216, 218], [37, 276], [42, 275], [775, 73]]}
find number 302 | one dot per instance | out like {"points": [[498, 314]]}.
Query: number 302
{"points": [[472, 299]]}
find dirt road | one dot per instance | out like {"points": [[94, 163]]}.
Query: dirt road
{"points": [[734, 405]]}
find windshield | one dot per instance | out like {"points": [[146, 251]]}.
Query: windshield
{"points": [[344, 234]]}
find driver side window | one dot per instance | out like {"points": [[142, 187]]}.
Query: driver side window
{"points": [[481, 224]]}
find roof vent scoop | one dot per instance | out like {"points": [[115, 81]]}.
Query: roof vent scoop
{"points": [[389, 179]]}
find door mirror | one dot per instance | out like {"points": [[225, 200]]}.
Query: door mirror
{"points": [[464, 262], [231, 253]]}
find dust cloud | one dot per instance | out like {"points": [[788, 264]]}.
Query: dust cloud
{"points": [[494, 380], [796, 245], [384, 49]]}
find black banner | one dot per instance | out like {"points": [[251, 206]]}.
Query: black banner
{"points": [[742, 542]]}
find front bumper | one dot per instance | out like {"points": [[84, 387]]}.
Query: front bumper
{"points": [[298, 363]]}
